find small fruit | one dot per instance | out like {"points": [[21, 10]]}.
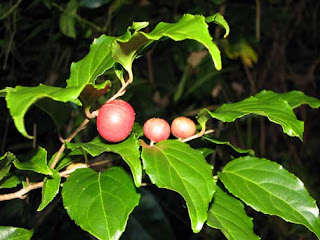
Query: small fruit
{"points": [[183, 127], [156, 129], [115, 120]]}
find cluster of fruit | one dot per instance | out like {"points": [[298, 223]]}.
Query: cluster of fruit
{"points": [[116, 118]]}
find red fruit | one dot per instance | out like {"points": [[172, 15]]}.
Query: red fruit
{"points": [[156, 129], [115, 120], [183, 127]]}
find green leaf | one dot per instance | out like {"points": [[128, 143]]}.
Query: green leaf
{"points": [[5, 163], [50, 189], [35, 161], [219, 19], [13, 233], [226, 143], [100, 203], [176, 166], [10, 181], [227, 214], [278, 108], [267, 187], [19, 99], [95, 63], [294, 98], [68, 20], [241, 49], [193, 27], [91, 93], [128, 150], [205, 151]]}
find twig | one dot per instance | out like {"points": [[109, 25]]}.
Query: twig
{"points": [[120, 92], [198, 135], [62, 148], [22, 192], [5, 15]]}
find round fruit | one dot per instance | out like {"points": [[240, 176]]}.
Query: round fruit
{"points": [[115, 120], [183, 127], [156, 129]]}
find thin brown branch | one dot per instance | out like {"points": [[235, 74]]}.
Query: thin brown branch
{"points": [[62, 148], [22, 192], [198, 135]]}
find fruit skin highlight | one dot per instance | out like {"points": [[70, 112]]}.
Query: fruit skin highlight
{"points": [[183, 127], [156, 129], [115, 120]]}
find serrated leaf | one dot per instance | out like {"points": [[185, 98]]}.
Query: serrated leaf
{"points": [[35, 161], [95, 63], [193, 27], [100, 203], [226, 143], [269, 188], [5, 163], [128, 150], [13, 233], [20, 98], [274, 106], [10, 181], [227, 214], [50, 189], [176, 166], [219, 19]]}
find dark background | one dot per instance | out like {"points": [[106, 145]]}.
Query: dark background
{"points": [[273, 44]]}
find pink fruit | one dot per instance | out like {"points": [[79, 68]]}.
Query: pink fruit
{"points": [[115, 120], [183, 127], [156, 129]]}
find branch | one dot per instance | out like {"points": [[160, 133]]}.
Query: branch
{"points": [[63, 147], [7, 14], [120, 92], [198, 135], [20, 194]]}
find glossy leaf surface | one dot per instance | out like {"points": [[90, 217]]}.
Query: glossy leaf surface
{"points": [[188, 27], [227, 214], [176, 166], [50, 189], [10, 181], [5, 164], [19, 100], [95, 63], [35, 161], [278, 108], [269, 188], [128, 150], [100, 203], [13, 233]]}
